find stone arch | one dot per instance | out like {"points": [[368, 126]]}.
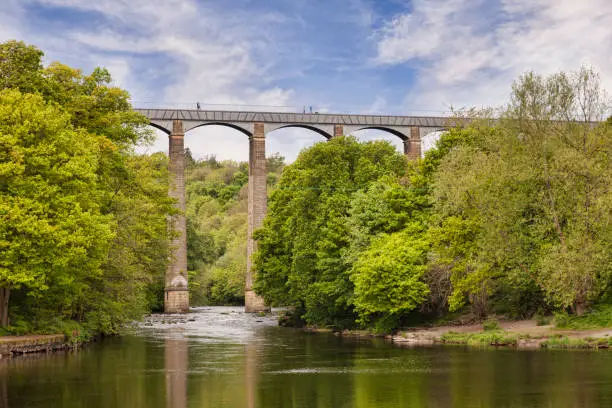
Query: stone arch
{"points": [[404, 135], [239, 127], [317, 129], [160, 127]]}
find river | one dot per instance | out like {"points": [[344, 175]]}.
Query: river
{"points": [[220, 357]]}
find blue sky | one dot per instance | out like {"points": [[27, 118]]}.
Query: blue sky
{"points": [[386, 56]]}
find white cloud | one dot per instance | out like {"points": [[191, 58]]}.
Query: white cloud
{"points": [[214, 56], [468, 52]]}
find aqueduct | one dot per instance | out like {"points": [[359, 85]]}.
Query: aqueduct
{"points": [[255, 125]]}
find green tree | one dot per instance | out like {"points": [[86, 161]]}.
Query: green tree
{"points": [[388, 277], [523, 208], [20, 66], [52, 231], [85, 216], [300, 257]]}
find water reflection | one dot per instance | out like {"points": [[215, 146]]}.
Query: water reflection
{"points": [[232, 360], [176, 362], [4, 386], [251, 374]]}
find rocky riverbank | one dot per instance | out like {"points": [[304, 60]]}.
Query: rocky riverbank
{"points": [[525, 334]]}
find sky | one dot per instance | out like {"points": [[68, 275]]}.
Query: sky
{"points": [[419, 57]]}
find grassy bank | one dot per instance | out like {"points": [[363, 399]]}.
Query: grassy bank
{"points": [[565, 342], [485, 338]]}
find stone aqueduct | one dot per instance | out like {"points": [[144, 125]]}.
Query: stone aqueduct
{"points": [[255, 125]]}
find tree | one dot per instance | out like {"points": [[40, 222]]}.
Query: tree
{"points": [[20, 66], [300, 257], [86, 219], [523, 207], [388, 277], [52, 231]]}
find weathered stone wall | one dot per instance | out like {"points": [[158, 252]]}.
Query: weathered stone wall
{"points": [[176, 298], [257, 206]]}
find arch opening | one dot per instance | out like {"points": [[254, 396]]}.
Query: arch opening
{"points": [[160, 128], [393, 132], [222, 124], [289, 141], [429, 141], [219, 141], [308, 127], [370, 134]]}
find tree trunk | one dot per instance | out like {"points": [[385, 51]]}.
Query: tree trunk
{"points": [[580, 307], [5, 293]]}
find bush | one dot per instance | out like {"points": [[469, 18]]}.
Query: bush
{"points": [[490, 324], [599, 316], [541, 320], [562, 319]]}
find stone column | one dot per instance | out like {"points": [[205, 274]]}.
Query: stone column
{"points": [[258, 201], [412, 146], [338, 130], [176, 299]]}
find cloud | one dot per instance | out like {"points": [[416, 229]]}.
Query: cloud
{"points": [[213, 54], [468, 52], [168, 54]]}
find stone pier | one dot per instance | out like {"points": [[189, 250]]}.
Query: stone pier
{"points": [[412, 146], [257, 205], [176, 296], [338, 130]]}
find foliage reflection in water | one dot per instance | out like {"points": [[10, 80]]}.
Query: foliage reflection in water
{"points": [[225, 358]]}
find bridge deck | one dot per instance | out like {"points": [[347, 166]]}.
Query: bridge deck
{"points": [[296, 118]]}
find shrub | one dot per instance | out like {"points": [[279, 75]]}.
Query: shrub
{"points": [[490, 324]]}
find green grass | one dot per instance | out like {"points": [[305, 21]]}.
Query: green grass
{"points": [[487, 338], [564, 342], [74, 332], [600, 316]]}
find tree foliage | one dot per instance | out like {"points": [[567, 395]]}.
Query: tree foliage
{"points": [[529, 199], [302, 246], [510, 213], [217, 228], [83, 231]]}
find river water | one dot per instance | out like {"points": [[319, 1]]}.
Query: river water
{"points": [[221, 357]]}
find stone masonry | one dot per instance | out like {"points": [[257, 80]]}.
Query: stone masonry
{"points": [[176, 297], [257, 206], [338, 130], [412, 146]]}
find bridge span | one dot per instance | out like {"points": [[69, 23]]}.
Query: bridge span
{"points": [[255, 125]]}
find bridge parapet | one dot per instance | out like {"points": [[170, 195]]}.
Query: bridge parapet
{"points": [[323, 122]]}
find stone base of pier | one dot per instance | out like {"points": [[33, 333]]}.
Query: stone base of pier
{"points": [[253, 303], [176, 301]]}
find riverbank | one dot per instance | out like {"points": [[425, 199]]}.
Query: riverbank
{"points": [[525, 334], [18, 345]]}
